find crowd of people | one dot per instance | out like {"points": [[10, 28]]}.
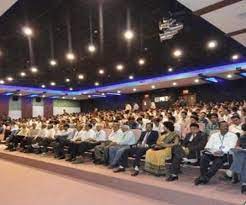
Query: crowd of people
{"points": [[207, 134]]}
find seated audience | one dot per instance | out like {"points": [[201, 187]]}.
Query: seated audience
{"points": [[158, 154], [190, 148], [213, 125], [216, 151], [146, 140]]}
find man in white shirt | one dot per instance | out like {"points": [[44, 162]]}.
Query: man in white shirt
{"points": [[236, 126], [124, 142], [101, 151], [216, 151]]}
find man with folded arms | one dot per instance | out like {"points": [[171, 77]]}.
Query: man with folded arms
{"points": [[216, 151], [146, 140], [190, 148], [102, 150], [90, 139]]}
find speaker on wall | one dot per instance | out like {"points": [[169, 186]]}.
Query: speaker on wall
{"points": [[15, 98], [38, 99]]}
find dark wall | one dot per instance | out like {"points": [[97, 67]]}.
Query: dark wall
{"points": [[229, 90]]}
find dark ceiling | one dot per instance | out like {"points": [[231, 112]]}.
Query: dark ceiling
{"points": [[48, 17]]}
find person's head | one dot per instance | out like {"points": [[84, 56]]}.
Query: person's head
{"points": [[140, 120], [168, 126], [34, 125], [236, 120], [50, 126], [116, 126], [183, 114], [44, 126], [194, 128], [172, 119], [224, 127], [66, 126], [214, 118], [79, 127], [193, 119], [99, 127], [125, 128], [202, 115], [88, 126], [149, 127]]}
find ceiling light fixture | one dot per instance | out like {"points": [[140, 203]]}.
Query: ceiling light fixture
{"points": [[43, 86], [119, 67], [91, 48], [81, 76], [141, 61], [177, 53], [22, 74], [67, 80], [27, 31], [70, 56], [131, 77], [96, 84], [153, 86], [129, 35], [34, 69], [53, 62], [212, 44], [101, 71], [174, 83], [52, 83], [170, 69], [2, 81], [197, 80], [235, 57], [229, 76], [10, 79], [134, 89]]}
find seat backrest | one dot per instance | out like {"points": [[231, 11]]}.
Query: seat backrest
{"points": [[137, 133]]}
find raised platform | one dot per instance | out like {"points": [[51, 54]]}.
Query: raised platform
{"points": [[176, 193]]}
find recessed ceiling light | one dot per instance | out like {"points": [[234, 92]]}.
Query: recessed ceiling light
{"points": [[74, 98], [96, 84], [174, 83], [20, 94], [10, 78], [2, 82], [89, 96], [170, 69], [91, 48], [131, 77], [43, 96], [153, 86], [52, 83], [119, 67], [34, 69], [141, 61], [101, 71], [43, 86], [22, 74], [197, 80], [67, 80], [134, 89], [118, 91], [53, 62], [63, 97], [229, 76], [70, 56], [71, 89], [27, 31], [129, 35], [80, 76], [235, 57], [212, 44], [177, 53]]}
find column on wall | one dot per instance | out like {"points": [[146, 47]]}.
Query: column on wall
{"points": [[48, 107], [26, 107], [4, 105], [15, 111]]}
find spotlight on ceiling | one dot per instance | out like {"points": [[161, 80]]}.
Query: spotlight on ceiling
{"points": [[27, 31], [10, 79], [43, 86], [52, 83], [129, 35], [152, 86], [170, 69], [212, 44], [97, 84], [2, 81], [229, 76], [134, 89], [22, 74], [235, 57], [141, 61], [67, 80], [101, 71], [91, 48], [71, 89], [174, 83], [118, 91], [53, 62], [131, 77], [34, 69], [177, 53], [89, 96], [119, 67], [81, 76], [74, 98], [197, 80], [70, 56]]}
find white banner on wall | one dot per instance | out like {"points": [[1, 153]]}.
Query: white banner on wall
{"points": [[15, 114], [37, 111], [59, 110]]}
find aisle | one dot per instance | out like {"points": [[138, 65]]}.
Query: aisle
{"points": [[25, 185]]}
